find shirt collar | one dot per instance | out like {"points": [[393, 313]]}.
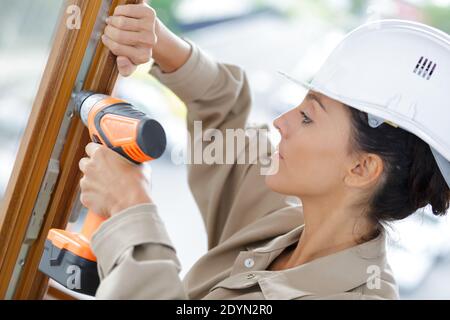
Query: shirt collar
{"points": [[335, 273]]}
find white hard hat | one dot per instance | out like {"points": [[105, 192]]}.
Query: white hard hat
{"points": [[399, 73]]}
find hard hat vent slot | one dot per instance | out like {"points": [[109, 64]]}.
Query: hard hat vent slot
{"points": [[425, 68]]}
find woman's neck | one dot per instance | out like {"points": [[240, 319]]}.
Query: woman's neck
{"points": [[327, 231]]}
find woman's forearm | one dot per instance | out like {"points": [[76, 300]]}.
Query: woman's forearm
{"points": [[170, 51]]}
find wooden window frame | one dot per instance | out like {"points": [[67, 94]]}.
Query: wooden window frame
{"points": [[47, 119]]}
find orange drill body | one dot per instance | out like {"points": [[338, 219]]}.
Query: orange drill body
{"points": [[118, 125]]}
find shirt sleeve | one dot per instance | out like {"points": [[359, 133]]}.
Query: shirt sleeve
{"points": [[136, 258], [232, 195]]}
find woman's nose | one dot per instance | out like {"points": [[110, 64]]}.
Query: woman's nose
{"points": [[278, 124]]}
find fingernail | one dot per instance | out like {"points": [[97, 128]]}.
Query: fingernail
{"points": [[108, 20]]}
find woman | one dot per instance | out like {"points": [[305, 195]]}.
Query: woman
{"points": [[352, 171]]}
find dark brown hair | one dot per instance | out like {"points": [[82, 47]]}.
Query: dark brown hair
{"points": [[411, 178]]}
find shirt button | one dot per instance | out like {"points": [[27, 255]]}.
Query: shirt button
{"points": [[249, 262], [250, 276]]}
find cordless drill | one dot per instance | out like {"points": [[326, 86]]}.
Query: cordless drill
{"points": [[67, 257]]}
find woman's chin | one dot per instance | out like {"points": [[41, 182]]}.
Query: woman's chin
{"points": [[277, 183], [273, 182]]}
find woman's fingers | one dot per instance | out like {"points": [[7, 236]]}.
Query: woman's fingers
{"points": [[91, 148], [130, 38], [126, 23], [126, 67], [135, 55], [82, 164], [135, 11], [130, 34]]}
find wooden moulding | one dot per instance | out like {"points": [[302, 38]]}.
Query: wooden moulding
{"points": [[49, 108]]}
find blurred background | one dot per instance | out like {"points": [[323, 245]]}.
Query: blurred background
{"points": [[262, 36]]}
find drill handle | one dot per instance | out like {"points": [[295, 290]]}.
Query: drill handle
{"points": [[91, 224]]}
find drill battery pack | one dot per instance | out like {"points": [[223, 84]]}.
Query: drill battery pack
{"points": [[77, 272]]}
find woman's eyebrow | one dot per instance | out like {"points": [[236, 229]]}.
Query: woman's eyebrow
{"points": [[311, 96]]}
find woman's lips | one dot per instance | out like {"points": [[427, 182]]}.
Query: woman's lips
{"points": [[279, 153]]}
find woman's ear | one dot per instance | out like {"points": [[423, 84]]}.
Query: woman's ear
{"points": [[364, 171]]}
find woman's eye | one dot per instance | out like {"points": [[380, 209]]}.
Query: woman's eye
{"points": [[306, 119]]}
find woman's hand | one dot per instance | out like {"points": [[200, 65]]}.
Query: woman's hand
{"points": [[135, 35], [111, 183], [131, 34]]}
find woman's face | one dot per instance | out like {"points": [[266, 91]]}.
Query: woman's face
{"points": [[313, 157]]}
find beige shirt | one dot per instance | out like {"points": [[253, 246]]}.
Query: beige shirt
{"points": [[247, 224]]}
